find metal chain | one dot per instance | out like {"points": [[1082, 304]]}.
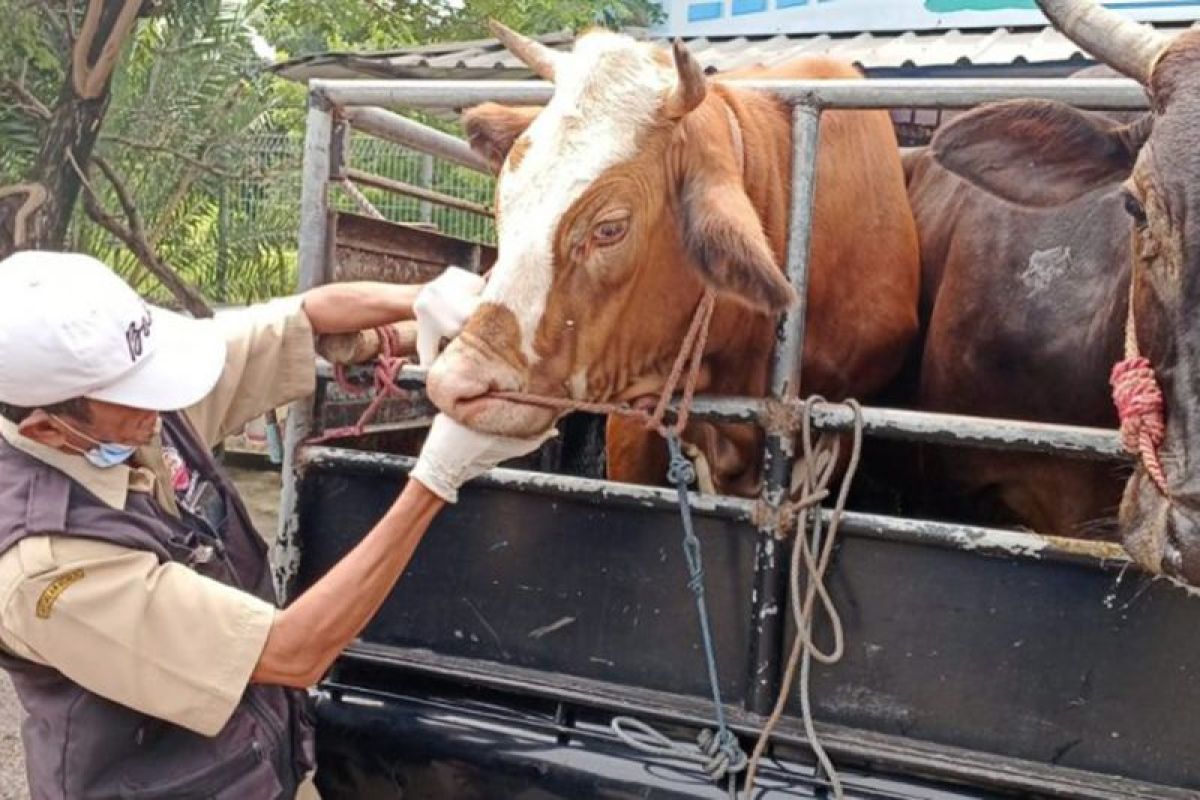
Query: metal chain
{"points": [[720, 753]]}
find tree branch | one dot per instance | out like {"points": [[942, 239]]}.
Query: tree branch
{"points": [[134, 237], [191, 160], [26, 100], [91, 78]]}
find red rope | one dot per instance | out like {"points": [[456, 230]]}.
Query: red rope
{"points": [[1140, 405], [387, 370]]}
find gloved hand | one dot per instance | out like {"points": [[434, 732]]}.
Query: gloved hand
{"points": [[442, 308], [454, 454]]}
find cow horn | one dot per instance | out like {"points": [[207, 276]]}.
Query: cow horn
{"points": [[1123, 44], [535, 55], [692, 87]]}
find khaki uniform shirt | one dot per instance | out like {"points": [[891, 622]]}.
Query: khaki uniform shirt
{"points": [[158, 638]]}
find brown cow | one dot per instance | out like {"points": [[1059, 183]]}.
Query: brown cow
{"points": [[639, 185], [1023, 311], [1053, 157]]}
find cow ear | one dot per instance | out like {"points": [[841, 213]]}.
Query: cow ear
{"points": [[724, 236], [1036, 152], [492, 129]]}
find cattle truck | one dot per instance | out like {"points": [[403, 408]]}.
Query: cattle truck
{"points": [[979, 662]]}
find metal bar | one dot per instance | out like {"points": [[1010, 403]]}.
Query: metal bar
{"points": [[766, 630], [430, 195], [427, 183], [314, 231], [1113, 95], [630, 495], [953, 536], [410, 133], [902, 754], [955, 430]]}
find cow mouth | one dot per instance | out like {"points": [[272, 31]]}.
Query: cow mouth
{"points": [[502, 417], [1160, 535]]}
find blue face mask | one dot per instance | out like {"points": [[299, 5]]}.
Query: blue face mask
{"points": [[104, 454]]}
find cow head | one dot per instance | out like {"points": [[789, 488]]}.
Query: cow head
{"points": [[1043, 154], [616, 205]]}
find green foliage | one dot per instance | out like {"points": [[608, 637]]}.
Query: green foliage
{"points": [[208, 144]]}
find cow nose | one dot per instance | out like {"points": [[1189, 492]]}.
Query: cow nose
{"points": [[449, 384]]}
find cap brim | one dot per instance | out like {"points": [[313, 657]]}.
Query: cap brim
{"points": [[183, 368]]}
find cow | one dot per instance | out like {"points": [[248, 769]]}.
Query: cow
{"points": [[639, 186], [1022, 315], [1133, 190]]}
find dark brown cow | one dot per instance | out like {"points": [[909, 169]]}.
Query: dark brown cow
{"points": [[637, 187], [1023, 311], [1056, 338]]}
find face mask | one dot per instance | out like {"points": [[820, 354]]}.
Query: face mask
{"points": [[104, 454]]}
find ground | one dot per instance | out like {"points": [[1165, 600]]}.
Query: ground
{"points": [[260, 490]]}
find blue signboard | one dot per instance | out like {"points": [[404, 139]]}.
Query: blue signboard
{"points": [[750, 17]]}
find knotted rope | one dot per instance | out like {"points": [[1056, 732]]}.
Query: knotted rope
{"points": [[1140, 404], [813, 552], [388, 364]]}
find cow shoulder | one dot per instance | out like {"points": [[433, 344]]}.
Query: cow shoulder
{"points": [[1037, 152]]}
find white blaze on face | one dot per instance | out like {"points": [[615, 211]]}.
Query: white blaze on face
{"points": [[605, 93]]}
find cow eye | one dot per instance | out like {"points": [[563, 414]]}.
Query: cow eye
{"points": [[610, 231], [1135, 209]]}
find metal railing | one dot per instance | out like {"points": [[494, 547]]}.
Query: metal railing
{"points": [[808, 99]]}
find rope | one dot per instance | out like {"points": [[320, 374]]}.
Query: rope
{"points": [[387, 370], [1140, 404], [361, 200], [709, 753], [689, 357], [815, 470]]}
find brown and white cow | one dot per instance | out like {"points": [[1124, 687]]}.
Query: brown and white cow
{"points": [[639, 185], [1104, 207]]}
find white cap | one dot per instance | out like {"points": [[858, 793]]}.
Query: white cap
{"points": [[70, 327]]}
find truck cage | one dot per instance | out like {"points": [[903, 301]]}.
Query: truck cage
{"points": [[337, 106]]}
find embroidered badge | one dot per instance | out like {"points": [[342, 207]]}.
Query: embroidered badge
{"points": [[51, 593]]}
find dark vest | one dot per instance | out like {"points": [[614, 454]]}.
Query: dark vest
{"points": [[79, 745]]}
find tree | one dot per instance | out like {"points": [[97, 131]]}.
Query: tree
{"points": [[35, 212]]}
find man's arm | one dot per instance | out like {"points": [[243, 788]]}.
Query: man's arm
{"points": [[351, 307], [307, 636], [310, 633]]}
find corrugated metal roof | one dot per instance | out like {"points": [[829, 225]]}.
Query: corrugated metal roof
{"points": [[486, 59]]}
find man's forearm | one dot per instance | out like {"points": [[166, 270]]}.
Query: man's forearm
{"points": [[356, 306], [308, 635]]}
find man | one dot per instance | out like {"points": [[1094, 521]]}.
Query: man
{"points": [[137, 617]]}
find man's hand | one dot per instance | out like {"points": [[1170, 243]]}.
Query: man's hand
{"points": [[454, 454], [442, 308]]}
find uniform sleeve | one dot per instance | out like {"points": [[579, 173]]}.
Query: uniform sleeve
{"points": [[270, 361], [158, 638]]}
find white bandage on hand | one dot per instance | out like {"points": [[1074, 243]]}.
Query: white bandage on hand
{"points": [[454, 454], [442, 308]]}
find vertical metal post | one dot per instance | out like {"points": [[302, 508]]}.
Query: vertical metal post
{"points": [[223, 242], [314, 220], [766, 635], [427, 182]]}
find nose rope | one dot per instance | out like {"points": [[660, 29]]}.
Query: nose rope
{"points": [[388, 364], [689, 358], [1140, 404]]}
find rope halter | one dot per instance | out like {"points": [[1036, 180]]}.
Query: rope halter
{"points": [[1140, 404]]}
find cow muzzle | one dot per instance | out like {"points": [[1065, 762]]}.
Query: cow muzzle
{"points": [[461, 383], [1161, 535]]}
